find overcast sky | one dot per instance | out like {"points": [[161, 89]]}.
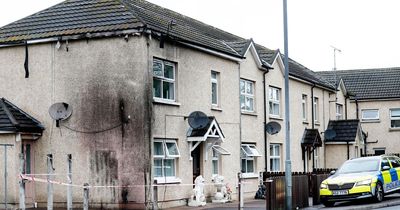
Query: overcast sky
{"points": [[366, 31]]}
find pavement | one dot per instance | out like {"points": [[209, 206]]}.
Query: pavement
{"points": [[389, 200]]}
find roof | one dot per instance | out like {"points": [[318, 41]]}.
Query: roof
{"points": [[203, 131], [13, 119], [311, 138], [88, 18], [380, 83], [346, 130]]}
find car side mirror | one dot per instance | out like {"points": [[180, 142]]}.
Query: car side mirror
{"points": [[385, 168], [332, 172]]}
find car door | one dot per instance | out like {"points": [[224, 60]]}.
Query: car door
{"points": [[387, 178], [395, 171]]}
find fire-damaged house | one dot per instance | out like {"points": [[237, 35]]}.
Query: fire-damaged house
{"points": [[118, 95]]}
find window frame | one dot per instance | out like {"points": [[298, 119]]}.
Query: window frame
{"points": [[275, 157], [316, 157], [339, 111], [247, 95], [165, 156], [316, 109], [395, 118], [274, 101], [215, 158], [304, 107], [247, 157], [165, 79], [369, 119], [217, 91]]}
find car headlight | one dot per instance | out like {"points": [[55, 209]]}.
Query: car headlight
{"points": [[323, 186], [364, 182]]}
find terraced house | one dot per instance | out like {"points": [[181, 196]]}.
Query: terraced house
{"points": [[136, 75]]}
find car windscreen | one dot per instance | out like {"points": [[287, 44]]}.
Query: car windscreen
{"points": [[359, 166]]}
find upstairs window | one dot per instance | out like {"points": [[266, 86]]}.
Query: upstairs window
{"points": [[395, 118], [339, 111], [274, 98], [369, 114], [304, 107], [163, 80], [214, 88], [166, 153], [246, 95], [316, 109]]}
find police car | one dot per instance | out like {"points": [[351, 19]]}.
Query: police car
{"points": [[362, 178]]}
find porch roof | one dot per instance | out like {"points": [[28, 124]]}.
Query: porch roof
{"points": [[346, 130], [311, 138], [13, 119]]}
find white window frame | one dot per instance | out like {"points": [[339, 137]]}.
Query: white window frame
{"points": [[392, 118], [164, 79], [316, 109], [215, 159], [217, 151], [304, 107], [339, 111], [246, 95], [275, 156], [369, 119], [249, 155], [316, 157], [274, 98], [166, 156], [216, 82]]}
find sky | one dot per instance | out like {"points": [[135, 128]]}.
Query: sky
{"points": [[366, 32]]}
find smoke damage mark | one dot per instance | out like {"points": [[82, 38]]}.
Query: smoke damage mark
{"points": [[104, 167]]}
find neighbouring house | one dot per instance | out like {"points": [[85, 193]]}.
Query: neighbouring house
{"points": [[373, 97], [138, 78]]}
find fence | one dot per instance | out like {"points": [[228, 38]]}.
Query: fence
{"points": [[304, 185]]}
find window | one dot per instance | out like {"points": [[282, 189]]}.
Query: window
{"points": [[248, 152], [339, 111], [379, 151], [275, 157], [166, 153], [395, 161], [217, 151], [274, 101], [163, 80], [316, 157], [316, 109], [369, 114], [247, 95], [304, 107], [214, 88], [395, 118]]}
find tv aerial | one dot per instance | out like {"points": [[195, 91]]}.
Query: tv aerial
{"points": [[330, 134], [198, 120], [60, 111], [273, 128]]}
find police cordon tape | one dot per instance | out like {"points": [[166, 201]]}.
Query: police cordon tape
{"points": [[31, 177]]}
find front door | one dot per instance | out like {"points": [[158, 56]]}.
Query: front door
{"points": [[27, 151], [196, 162]]}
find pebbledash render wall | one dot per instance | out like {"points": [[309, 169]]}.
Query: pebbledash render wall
{"points": [[96, 77]]}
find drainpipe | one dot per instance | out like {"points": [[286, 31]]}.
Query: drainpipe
{"points": [[345, 106], [265, 122], [355, 97], [240, 121], [312, 123]]}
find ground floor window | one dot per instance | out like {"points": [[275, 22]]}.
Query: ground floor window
{"points": [[275, 157], [248, 154], [166, 154], [379, 151], [316, 157]]}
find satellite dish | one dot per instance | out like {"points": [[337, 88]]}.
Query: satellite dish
{"points": [[60, 111], [198, 120], [273, 128], [330, 134]]}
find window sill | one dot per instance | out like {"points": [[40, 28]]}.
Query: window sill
{"points": [[370, 121], [271, 117], [305, 122], [167, 180], [249, 113], [216, 108], [394, 129], [249, 175], [317, 123], [166, 102]]}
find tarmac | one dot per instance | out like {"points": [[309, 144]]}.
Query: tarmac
{"points": [[389, 200]]}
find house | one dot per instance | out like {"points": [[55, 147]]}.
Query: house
{"points": [[138, 78], [372, 96]]}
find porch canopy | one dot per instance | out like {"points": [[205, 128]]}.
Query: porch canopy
{"points": [[345, 131], [15, 120], [211, 134], [311, 138]]}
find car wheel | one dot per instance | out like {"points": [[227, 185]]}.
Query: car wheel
{"points": [[378, 197], [328, 203]]}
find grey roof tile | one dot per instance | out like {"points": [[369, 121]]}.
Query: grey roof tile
{"points": [[380, 83], [346, 130]]}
